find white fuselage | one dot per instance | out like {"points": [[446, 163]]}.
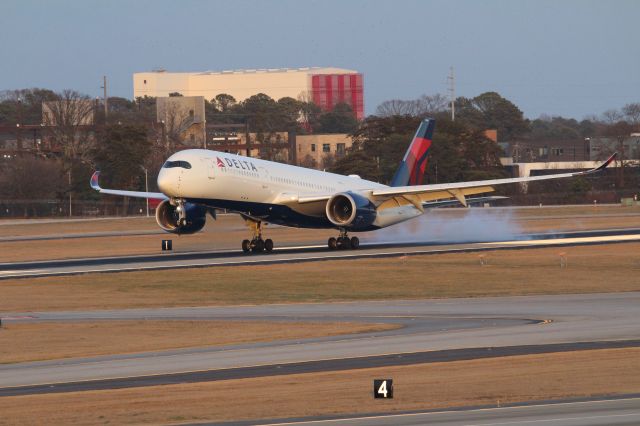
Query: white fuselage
{"points": [[260, 189]]}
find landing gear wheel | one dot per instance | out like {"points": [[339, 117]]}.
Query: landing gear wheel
{"points": [[332, 243], [345, 243], [355, 242], [258, 246]]}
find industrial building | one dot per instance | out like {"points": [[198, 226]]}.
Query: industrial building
{"points": [[326, 87]]}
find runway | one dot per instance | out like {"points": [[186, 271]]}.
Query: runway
{"points": [[624, 411], [430, 325], [307, 253]]}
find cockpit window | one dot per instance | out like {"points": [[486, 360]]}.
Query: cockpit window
{"points": [[179, 163]]}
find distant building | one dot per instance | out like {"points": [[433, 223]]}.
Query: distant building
{"points": [[324, 86], [320, 151], [628, 148], [572, 150], [183, 118], [311, 151], [531, 151]]}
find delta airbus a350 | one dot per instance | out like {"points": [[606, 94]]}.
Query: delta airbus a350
{"points": [[196, 182]]}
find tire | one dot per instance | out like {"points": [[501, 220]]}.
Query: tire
{"points": [[268, 245], [246, 246], [332, 243], [346, 243], [258, 246], [355, 242]]}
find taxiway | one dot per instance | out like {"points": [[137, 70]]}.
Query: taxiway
{"points": [[439, 325]]}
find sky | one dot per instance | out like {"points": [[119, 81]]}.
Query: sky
{"points": [[572, 58]]}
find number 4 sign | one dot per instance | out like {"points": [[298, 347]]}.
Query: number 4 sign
{"points": [[383, 388]]}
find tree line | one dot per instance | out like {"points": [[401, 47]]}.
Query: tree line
{"points": [[129, 141]]}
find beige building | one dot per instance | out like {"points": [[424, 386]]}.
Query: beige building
{"points": [[325, 86], [320, 151], [312, 151], [182, 118]]}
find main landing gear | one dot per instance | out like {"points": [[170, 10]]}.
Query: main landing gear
{"points": [[256, 244], [343, 242]]}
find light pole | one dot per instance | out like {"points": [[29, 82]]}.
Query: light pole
{"points": [[69, 191], [146, 186]]}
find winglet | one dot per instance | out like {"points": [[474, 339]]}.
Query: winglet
{"points": [[606, 163], [601, 167], [94, 181]]}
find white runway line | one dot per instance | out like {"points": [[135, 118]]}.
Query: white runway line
{"points": [[603, 239]]}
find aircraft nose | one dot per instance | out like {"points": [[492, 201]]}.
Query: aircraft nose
{"points": [[168, 182]]}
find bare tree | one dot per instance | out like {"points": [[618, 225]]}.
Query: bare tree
{"points": [[328, 160], [70, 117], [431, 104], [30, 179], [612, 116], [396, 107], [176, 122], [632, 113], [176, 117], [309, 162], [424, 105]]}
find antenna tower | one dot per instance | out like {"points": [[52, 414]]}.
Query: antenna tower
{"points": [[452, 92]]}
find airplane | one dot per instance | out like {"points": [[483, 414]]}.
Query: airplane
{"points": [[197, 182]]}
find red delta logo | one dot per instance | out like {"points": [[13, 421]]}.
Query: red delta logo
{"points": [[220, 163]]}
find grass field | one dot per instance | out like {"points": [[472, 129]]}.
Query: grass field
{"points": [[591, 269], [427, 386], [229, 230], [54, 340]]}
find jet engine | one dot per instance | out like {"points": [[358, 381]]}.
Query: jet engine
{"points": [[168, 217], [351, 211]]}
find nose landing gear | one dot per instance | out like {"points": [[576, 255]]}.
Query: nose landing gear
{"points": [[343, 242], [181, 212], [256, 244]]}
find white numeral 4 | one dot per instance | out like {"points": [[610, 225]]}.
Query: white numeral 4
{"points": [[383, 388]]}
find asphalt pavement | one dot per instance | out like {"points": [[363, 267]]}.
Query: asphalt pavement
{"points": [[438, 325], [618, 412], [307, 253]]}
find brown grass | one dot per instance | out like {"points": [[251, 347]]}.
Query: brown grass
{"points": [[23, 342], [601, 268], [36, 227], [229, 230], [225, 233], [426, 386]]}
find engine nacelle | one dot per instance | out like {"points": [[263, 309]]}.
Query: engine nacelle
{"points": [[351, 211], [167, 218]]}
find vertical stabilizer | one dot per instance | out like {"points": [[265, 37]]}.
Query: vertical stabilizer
{"points": [[413, 165]]}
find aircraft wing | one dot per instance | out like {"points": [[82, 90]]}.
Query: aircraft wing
{"points": [[422, 195], [474, 200], [135, 194], [458, 190]]}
